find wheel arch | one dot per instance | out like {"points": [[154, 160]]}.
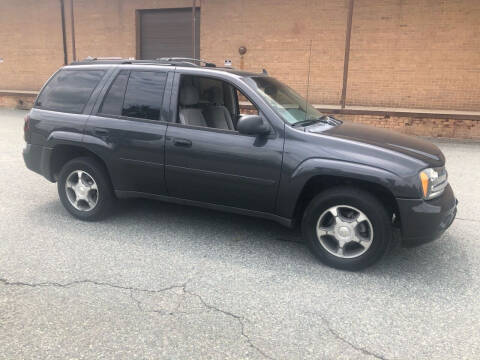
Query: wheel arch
{"points": [[318, 174], [319, 183], [62, 153]]}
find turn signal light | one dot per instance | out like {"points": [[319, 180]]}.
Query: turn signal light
{"points": [[424, 179]]}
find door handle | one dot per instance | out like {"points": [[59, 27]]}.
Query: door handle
{"points": [[182, 142]]}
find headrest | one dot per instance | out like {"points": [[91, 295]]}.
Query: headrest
{"points": [[215, 95], [188, 95]]}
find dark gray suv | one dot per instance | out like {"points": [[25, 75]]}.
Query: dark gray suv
{"points": [[174, 130]]}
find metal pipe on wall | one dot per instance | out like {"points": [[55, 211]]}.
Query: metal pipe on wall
{"points": [[346, 60], [64, 38], [72, 21], [194, 3]]}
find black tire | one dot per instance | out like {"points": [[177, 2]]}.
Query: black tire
{"points": [[105, 195], [361, 200]]}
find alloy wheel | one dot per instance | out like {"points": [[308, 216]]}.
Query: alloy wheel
{"points": [[344, 231], [82, 190]]}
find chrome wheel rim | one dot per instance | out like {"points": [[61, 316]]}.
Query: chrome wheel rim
{"points": [[344, 231], [81, 190]]}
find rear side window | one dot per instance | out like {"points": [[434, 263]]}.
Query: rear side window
{"points": [[142, 98], [144, 94], [69, 90]]}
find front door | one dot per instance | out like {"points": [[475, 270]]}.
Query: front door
{"points": [[219, 165]]}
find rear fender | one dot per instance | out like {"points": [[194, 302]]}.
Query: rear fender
{"points": [[70, 141]]}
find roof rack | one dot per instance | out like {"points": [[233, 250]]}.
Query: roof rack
{"points": [[193, 61], [174, 61]]}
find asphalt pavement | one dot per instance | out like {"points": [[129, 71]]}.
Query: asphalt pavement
{"points": [[157, 280]]}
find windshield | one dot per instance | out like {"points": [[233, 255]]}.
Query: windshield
{"points": [[291, 106]]}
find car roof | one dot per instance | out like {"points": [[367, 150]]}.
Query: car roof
{"points": [[145, 64]]}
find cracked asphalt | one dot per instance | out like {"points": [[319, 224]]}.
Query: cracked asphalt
{"points": [[158, 280]]}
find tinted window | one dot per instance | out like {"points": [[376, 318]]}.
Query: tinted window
{"points": [[113, 101], [69, 90], [144, 94]]}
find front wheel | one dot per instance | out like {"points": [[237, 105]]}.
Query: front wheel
{"points": [[347, 228], [84, 189]]}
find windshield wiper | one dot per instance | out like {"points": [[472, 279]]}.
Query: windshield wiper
{"points": [[324, 119]]}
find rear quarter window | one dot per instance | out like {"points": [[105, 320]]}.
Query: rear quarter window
{"points": [[69, 90]]}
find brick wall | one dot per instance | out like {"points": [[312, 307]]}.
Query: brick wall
{"points": [[431, 127], [30, 43], [108, 27], [415, 53], [31, 35], [17, 101], [277, 35], [421, 126], [404, 53]]}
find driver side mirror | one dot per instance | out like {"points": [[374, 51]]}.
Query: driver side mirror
{"points": [[253, 125]]}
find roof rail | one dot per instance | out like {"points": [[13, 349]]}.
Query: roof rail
{"points": [[186, 59], [112, 60], [106, 58], [174, 61]]}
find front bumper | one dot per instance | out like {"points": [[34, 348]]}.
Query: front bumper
{"points": [[423, 221]]}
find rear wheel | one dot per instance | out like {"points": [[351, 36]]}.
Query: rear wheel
{"points": [[84, 189], [347, 228]]}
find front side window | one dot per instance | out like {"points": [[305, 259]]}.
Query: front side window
{"points": [[291, 106], [144, 95], [211, 103], [69, 90]]}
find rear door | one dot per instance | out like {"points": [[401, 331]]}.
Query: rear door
{"points": [[128, 126]]}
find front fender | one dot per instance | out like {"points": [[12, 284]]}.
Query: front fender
{"points": [[291, 185]]}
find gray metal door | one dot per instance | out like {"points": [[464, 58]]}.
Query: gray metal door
{"points": [[168, 33]]}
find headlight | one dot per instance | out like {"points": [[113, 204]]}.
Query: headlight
{"points": [[434, 181]]}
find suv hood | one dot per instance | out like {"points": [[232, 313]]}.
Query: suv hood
{"points": [[412, 146]]}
